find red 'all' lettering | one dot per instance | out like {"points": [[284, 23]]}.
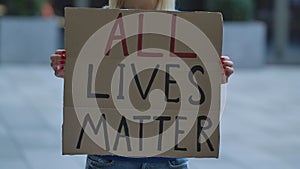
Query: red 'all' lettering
{"points": [[140, 41], [119, 23], [172, 42]]}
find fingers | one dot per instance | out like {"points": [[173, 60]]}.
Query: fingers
{"points": [[225, 58], [60, 51], [59, 73], [59, 56], [227, 63], [58, 69], [58, 61], [229, 71], [227, 66]]}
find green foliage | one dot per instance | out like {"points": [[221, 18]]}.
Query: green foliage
{"points": [[233, 10], [24, 7]]}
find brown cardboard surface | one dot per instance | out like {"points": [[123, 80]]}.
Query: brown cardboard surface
{"points": [[148, 102]]}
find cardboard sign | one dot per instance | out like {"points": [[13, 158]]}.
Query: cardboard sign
{"points": [[142, 83]]}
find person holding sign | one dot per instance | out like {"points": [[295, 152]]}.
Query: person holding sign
{"points": [[99, 161]]}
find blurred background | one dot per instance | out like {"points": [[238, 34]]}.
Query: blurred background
{"points": [[260, 125]]}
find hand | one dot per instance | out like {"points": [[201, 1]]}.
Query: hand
{"points": [[227, 66], [58, 61]]}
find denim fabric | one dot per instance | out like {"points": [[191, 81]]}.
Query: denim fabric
{"points": [[141, 159], [96, 162]]}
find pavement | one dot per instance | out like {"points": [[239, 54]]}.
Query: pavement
{"points": [[259, 128]]}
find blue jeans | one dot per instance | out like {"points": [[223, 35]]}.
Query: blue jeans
{"points": [[95, 162]]}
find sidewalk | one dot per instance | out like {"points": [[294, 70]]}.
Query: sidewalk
{"points": [[259, 129]]}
